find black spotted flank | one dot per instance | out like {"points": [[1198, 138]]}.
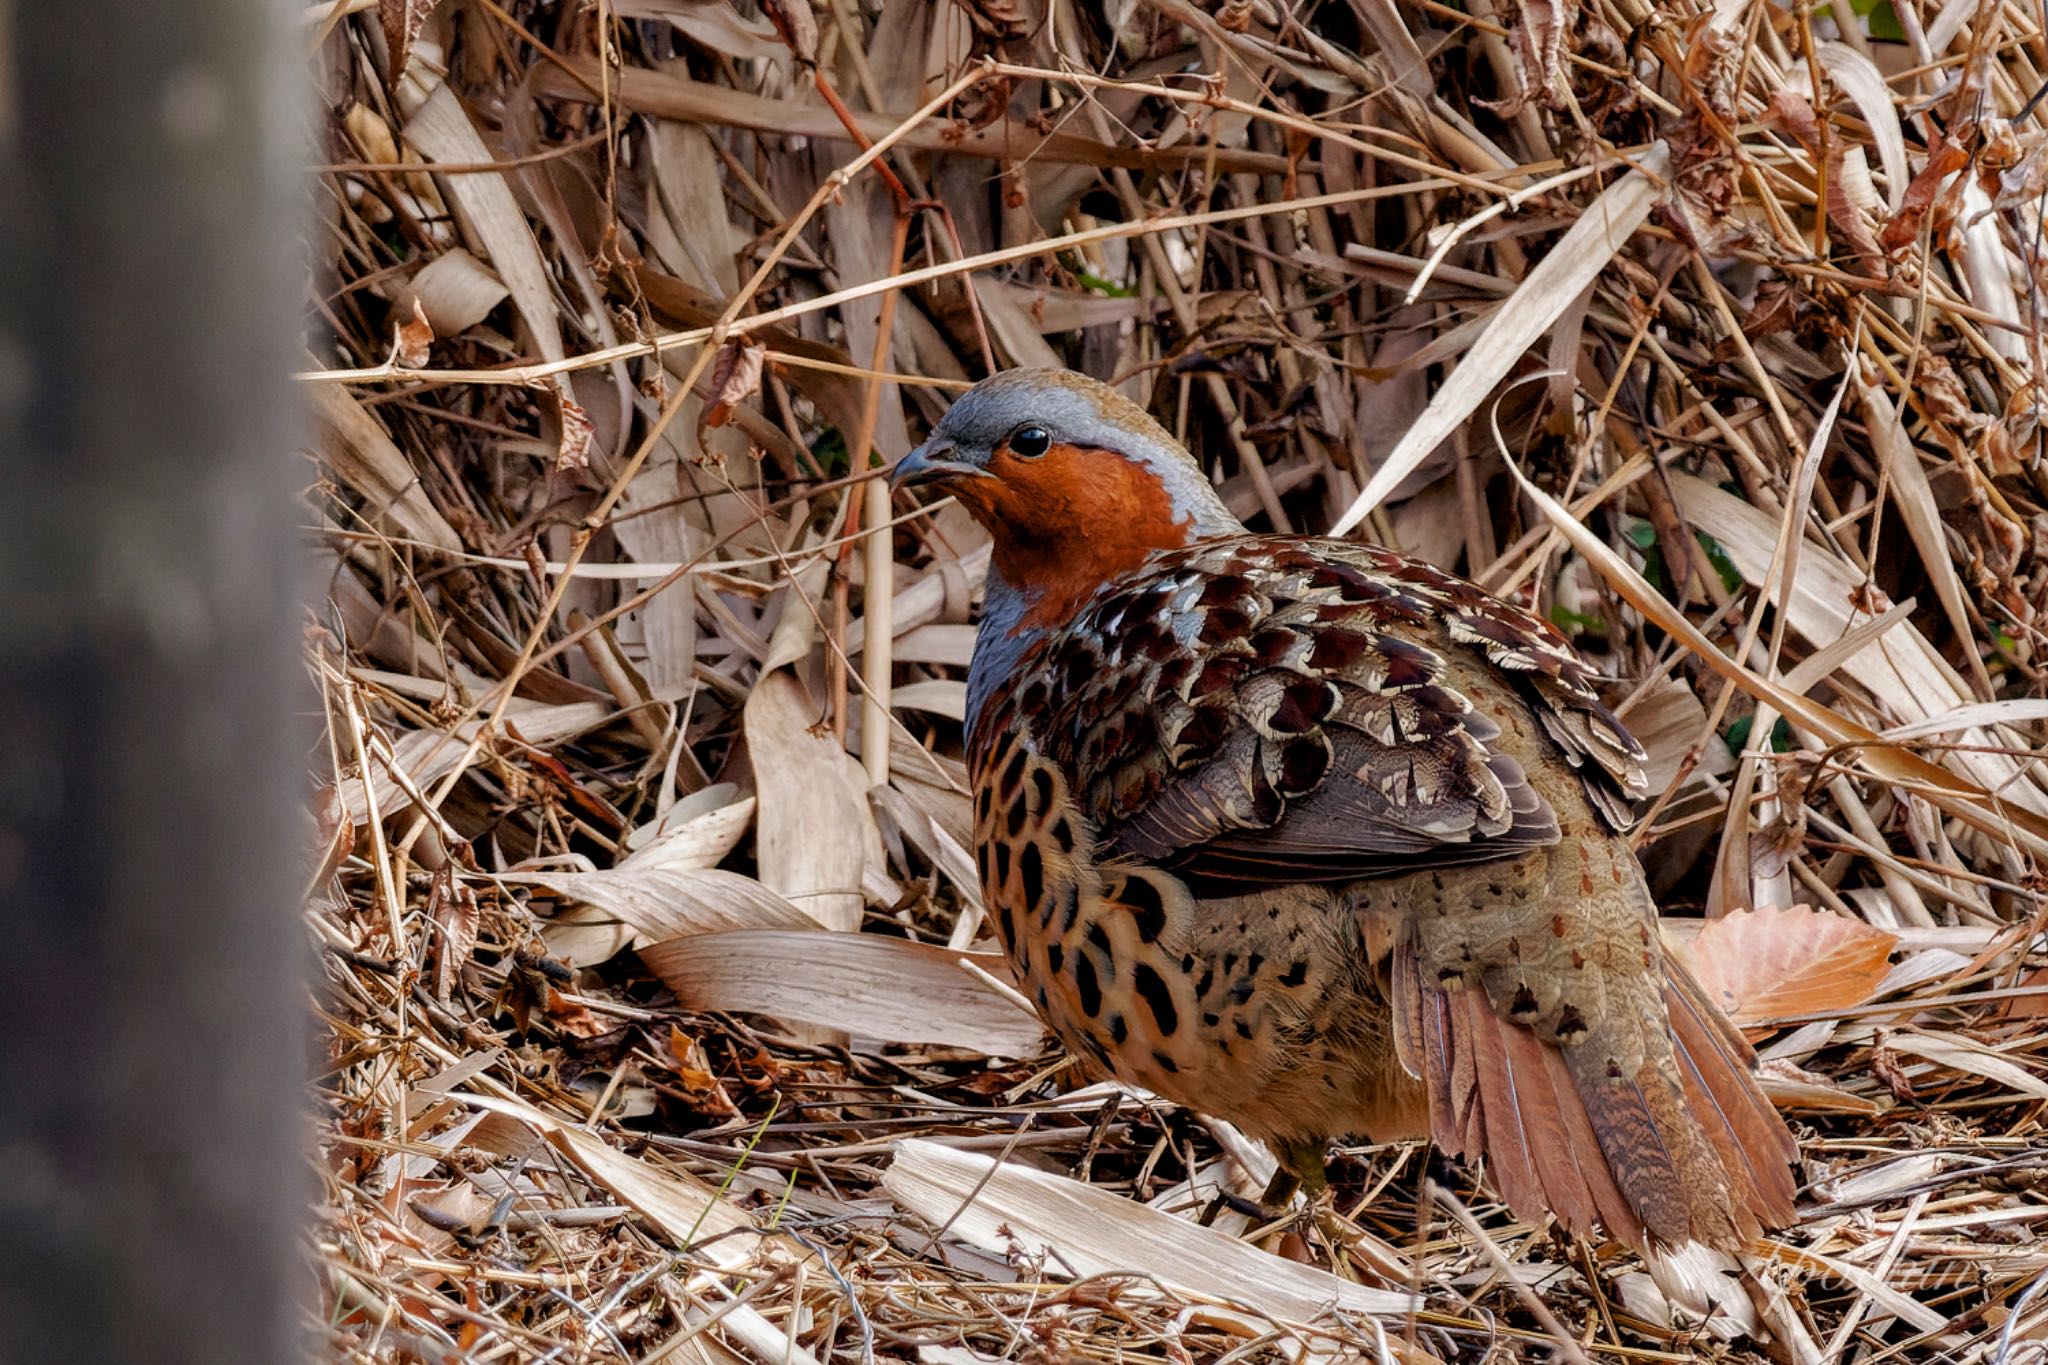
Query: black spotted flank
{"points": [[1015, 816], [1158, 998], [1041, 788], [1148, 909], [1070, 906], [1031, 869], [1012, 779], [1098, 939], [1086, 986], [1082, 666], [1055, 957]]}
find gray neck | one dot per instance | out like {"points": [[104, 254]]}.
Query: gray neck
{"points": [[996, 649]]}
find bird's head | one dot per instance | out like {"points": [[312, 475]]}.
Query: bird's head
{"points": [[1076, 484]]}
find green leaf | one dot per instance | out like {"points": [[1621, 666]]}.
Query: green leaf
{"points": [[1736, 736], [1103, 286], [1731, 577], [1879, 18], [1570, 622], [829, 450]]}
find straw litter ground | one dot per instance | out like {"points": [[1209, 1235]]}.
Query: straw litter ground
{"points": [[658, 1020]]}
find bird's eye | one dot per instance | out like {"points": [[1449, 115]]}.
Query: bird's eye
{"points": [[1028, 443]]}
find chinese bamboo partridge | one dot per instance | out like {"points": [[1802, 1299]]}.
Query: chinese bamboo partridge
{"points": [[1316, 838]]}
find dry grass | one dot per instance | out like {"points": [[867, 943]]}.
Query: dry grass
{"points": [[1716, 333]]}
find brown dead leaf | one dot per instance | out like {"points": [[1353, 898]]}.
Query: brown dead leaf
{"points": [[402, 20], [453, 909], [1944, 161], [1761, 965], [2033, 1006], [1790, 111]]}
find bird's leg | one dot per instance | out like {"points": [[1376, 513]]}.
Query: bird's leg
{"points": [[1300, 1167]]}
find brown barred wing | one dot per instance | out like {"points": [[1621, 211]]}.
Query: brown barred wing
{"points": [[1269, 710]]}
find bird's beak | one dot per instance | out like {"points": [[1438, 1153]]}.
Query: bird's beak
{"points": [[928, 464]]}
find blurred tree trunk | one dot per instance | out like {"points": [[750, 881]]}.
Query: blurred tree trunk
{"points": [[152, 717]]}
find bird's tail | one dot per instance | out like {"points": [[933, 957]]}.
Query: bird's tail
{"points": [[1681, 1147]]}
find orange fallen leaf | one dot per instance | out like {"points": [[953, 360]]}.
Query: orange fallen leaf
{"points": [[412, 345], [573, 1017], [1761, 965], [2029, 1006]]}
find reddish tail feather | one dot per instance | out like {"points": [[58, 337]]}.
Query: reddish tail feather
{"points": [[1706, 1160]]}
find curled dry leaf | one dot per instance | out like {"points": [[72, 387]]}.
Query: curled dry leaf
{"points": [[1761, 965], [697, 833], [735, 377], [454, 292], [799, 28], [579, 433], [1922, 194]]}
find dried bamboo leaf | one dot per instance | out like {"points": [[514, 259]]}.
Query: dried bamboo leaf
{"points": [[1542, 297], [364, 457], [861, 984], [815, 838], [1006, 1208], [442, 131], [631, 907]]}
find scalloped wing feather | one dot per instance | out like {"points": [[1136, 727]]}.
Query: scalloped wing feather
{"points": [[1276, 708]]}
